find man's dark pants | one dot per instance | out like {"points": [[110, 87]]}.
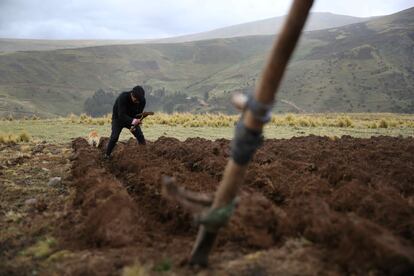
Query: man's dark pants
{"points": [[116, 131]]}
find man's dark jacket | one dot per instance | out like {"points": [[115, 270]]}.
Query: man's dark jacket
{"points": [[125, 110]]}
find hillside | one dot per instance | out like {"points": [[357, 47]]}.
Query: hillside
{"points": [[363, 67], [58, 82]]}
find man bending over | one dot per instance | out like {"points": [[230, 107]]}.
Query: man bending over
{"points": [[124, 115]]}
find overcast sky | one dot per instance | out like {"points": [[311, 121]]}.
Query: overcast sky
{"points": [[137, 19]]}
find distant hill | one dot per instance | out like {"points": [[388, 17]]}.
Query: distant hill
{"points": [[9, 45], [363, 67], [270, 26]]}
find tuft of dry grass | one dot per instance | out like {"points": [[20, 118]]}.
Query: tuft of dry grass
{"points": [[344, 122], [383, 123], [24, 137], [217, 120], [11, 138]]}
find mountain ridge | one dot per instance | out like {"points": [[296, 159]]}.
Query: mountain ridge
{"points": [[270, 26]]}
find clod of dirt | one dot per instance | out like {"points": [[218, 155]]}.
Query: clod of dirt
{"points": [[30, 201], [54, 181], [17, 161], [355, 242], [255, 222], [38, 149]]}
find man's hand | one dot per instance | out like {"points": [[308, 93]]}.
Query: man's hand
{"points": [[136, 122]]}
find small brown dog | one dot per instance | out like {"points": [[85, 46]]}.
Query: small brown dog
{"points": [[93, 138]]}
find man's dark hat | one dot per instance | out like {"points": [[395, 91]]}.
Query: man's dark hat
{"points": [[138, 92]]}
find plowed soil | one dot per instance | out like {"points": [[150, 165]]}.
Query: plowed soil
{"points": [[309, 206]]}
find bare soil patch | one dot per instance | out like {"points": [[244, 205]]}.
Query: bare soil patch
{"points": [[309, 205]]}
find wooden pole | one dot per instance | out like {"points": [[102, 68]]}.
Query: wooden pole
{"points": [[265, 93]]}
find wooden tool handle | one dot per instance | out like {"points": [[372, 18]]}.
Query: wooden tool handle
{"points": [[266, 91]]}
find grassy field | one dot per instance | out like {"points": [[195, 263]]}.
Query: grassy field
{"points": [[182, 126]]}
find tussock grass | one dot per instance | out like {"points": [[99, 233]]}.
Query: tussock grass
{"points": [[363, 120], [62, 130], [87, 120], [383, 123], [11, 138], [42, 249], [192, 120], [210, 126], [136, 269], [24, 137]]}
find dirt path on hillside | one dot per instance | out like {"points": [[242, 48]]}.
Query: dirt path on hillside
{"points": [[310, 205]]}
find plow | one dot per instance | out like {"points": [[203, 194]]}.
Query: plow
{"points": [[212, 213]]}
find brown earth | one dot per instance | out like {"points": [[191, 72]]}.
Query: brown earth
{"points": [[309, 206]]}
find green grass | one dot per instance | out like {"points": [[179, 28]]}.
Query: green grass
{"points": [[64, 130]]}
